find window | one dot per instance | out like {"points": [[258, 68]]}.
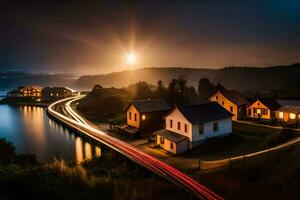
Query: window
{"points": [[216, 126], [185, 128], [130, 115], [171, 123], [217, 97], [258, 104], [264, 111], [231, 109], [249, 112], [171, 145], [200, 128], [135, 116], [292, 116], [162, 140], [280, 115], [178, 126], [223, 103]]}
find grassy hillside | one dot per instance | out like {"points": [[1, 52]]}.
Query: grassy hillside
{"points": [[104, 104], [270, 176], [238, 78]]}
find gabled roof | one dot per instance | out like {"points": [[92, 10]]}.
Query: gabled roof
{"points": [[290, 109], [284, 102], [234, 97], [170, 135], [202, 113], [272, 104], [151, 105]]}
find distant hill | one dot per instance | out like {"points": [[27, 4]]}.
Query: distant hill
{"points": [[238, 78], [10, 80], [113, 100]]}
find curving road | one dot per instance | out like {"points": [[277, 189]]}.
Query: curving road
{"points": [[74, 120]]}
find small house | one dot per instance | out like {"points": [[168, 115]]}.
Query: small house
{"points": [[263, 109], [190, 126], [144, 116], [231, 101], [56, 92], [26, 91], [289, 111]]}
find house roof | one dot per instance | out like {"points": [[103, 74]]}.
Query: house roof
{"points": [[272, 104], [151, 105], [170, 135], [290, 109], [234, 97], [204, 112], [284, 102]]}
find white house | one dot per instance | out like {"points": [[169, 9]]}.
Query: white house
{"points": [[189, 126]]}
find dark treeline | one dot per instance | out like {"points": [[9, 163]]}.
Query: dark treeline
{"points": [[177, 92]]}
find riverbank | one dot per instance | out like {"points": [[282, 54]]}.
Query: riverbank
{"points": [[25, 101], [110, 176]]}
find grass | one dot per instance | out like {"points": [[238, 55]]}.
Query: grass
{"points": [[111, 176], [269, 176], [104, 104], [246, 138]]}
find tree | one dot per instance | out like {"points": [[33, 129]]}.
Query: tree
{"points": [[161, 91], [178, 92], [144, 90], [205, 89], [219, 86]]}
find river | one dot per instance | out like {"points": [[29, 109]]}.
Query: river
{"points": [[31, 131]]}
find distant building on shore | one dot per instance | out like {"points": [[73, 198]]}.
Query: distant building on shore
{"points": [[189, 126], [231, 101], [56, 92], [144, 116], [26, 91], [269, 109]]}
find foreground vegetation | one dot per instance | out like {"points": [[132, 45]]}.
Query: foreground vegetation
{"points": [[246, 138], [270, 176], [110, 176]]}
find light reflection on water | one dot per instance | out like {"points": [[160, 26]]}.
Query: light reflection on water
{"points": [[31, 131]]}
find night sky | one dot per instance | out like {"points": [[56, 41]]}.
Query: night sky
{"points": [[95, 36]]}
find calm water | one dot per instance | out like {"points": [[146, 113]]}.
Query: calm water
{"points": [[30, 130]]}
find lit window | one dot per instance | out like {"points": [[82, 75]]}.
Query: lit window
{"points": [[292, 116], [178, 125], [51, 94], [280, 115], [143, 117], [216, 126]]}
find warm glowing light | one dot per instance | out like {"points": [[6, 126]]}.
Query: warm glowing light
{"points": [[292, 116], [143, 117], [131, 58]]}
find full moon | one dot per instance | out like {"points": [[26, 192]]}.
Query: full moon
{"points": [[131, 58]]}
